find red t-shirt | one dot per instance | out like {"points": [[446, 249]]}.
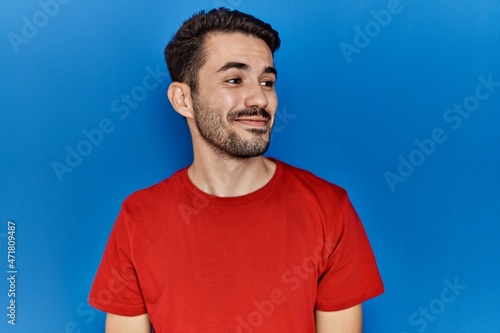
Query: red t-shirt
{"points": [[261, 262]]}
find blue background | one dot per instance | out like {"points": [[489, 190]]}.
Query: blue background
{"points": [[350, 117]]}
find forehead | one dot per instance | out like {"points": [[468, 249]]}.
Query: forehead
{"points": [[221, 48]]}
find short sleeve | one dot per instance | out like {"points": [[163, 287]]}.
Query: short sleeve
{"points": [[350, 275], [116, 287]]}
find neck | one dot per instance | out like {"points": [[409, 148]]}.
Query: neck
{"points": [[227, 177]]}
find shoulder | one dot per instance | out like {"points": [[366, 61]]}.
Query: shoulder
{"points": [[307, 182], [156, 193], [316, 199]]}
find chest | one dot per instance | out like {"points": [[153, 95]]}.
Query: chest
{"points": [[232, 262]]}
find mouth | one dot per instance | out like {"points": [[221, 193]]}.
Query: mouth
{"points": [[257, 121], [253, 122]]}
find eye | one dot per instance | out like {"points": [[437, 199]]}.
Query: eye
{"points": [[268, 83], [234, 81]]}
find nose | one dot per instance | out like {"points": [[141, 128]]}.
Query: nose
{"points": [[256, 97]]}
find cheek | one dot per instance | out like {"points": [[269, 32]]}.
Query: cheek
{"points": [[223, 100]]}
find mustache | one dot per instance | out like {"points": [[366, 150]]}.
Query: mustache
{"points": [[252, 112]]}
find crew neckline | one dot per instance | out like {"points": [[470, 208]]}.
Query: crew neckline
{"points": [[268, 187]]}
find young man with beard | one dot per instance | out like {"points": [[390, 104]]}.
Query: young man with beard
{"points": [[235, 242]]}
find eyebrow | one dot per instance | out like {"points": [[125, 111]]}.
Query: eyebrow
{"points": [[245, 67], [271, 70]]}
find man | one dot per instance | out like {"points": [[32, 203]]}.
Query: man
{"points": [[235, 242]]}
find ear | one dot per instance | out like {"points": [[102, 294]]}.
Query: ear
{"points": [[179, 95]]}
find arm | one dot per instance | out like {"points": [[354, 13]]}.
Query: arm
{"points": [[124, 324], [344, 321]]}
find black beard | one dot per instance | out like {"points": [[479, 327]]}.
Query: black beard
{"points": [[225, 141]]}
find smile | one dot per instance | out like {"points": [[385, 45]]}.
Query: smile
{"points": [[253, 122]]}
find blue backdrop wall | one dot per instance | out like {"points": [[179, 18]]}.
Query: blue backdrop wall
{"points": [[398, 101]]}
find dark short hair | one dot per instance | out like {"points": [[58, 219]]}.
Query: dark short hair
{"points": [[185, 53]]}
